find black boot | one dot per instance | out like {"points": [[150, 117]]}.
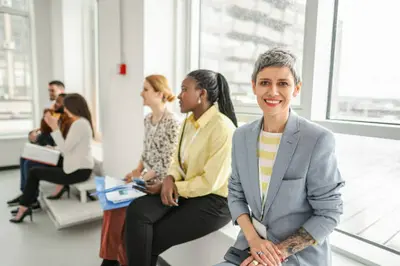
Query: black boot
{"points": [[14, 202]]}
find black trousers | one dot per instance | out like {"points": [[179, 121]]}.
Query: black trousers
{"points": [[53, 175], [151, 227]]}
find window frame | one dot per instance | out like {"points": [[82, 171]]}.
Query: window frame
{"points": [[320, 112], [318, 55], [29, 15], [316, 71], [194, 34]]}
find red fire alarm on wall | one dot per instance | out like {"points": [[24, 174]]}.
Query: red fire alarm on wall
{"points": [[122, 69]]}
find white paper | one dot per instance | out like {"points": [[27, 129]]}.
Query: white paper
{"points": [[41, 154], [121, 195]]}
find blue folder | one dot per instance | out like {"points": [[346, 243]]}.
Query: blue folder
{"points": [[101, 194]]}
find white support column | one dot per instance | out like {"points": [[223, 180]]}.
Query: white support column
{"points": [[159, 38], [71, 33], [57, 39], [73, 45], [159, 41], [120, 104]]}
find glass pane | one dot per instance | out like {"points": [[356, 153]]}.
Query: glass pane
{"points": [[2, 32], [3, 77], [20, 34], [15, 75], [22, 77], [365, 77], [21, 5], [234, 33]]}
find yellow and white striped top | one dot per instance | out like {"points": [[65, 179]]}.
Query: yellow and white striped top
{"points": [[268, 145]]}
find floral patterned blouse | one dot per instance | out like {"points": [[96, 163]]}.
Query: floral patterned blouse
{"points": [[160, 141]]}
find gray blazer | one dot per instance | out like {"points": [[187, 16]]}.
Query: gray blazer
{"points": [[304, 190]]}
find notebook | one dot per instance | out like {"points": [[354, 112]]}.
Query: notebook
{"points": [[121, 195], [41, 154]]}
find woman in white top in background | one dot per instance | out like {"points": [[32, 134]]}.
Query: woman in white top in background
{"points": [[75, 148]]}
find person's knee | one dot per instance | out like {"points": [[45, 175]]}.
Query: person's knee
{"points": [[136, 211], [25, 164], [33, 172]]}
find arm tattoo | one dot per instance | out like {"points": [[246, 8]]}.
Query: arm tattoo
{"points": [[297, 242]]}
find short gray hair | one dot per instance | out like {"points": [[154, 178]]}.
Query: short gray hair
{"points": [[276, 57]]}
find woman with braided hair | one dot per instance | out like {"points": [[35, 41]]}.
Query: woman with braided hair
{"points": [[191, 202]]}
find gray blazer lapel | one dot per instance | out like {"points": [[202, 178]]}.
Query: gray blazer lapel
{"points": [[290, 138], [252, 158]]}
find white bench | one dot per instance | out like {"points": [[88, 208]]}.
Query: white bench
{"points": [[206, 251], [210, 250], [89, 185], [69, 212]]}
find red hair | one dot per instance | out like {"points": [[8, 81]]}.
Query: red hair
{"points": [[160, 84]]}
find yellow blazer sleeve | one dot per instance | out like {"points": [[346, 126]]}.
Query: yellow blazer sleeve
{"points": [[216, 170]]}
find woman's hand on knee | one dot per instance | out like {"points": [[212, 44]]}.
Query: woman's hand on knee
{"points": [[265, 252], [169, 192]]}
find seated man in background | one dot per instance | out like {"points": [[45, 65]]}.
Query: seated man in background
{"points": [[42, 137], [56, 88]]}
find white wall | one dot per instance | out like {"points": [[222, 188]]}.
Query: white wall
{"points": [[160, 41], [10, 151], [57, 36], [147, 48], [159, 38], [70, 36], [45, 48], [72, 11], [121, 112]]}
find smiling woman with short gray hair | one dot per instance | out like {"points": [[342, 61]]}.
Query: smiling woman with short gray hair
{"points": [[284, 170]]}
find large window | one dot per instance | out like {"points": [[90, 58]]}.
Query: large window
{"points": [[234, 33], [366, 62], [350, 52], [364, 88], [15, 68]]}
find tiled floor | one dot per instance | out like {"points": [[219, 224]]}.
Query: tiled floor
{"points": [[371, 168], [39, 243]]}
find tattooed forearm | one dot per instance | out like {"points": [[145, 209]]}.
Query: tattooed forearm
{"points": [[296, 242]]}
